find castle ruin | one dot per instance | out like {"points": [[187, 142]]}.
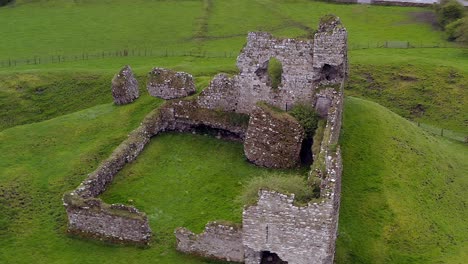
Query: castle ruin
{"points": [[275, 229]]}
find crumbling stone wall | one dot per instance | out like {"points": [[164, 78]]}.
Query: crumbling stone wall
{"points": [[168, 84], [243, 91], [90, 217], [296, 234], [120, 223], [273, 139], [220, 94], [219, 241], [125, 87], [307, 234], [306, 64], [330, 51]]}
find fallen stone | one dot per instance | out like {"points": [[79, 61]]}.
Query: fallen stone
{"points": [[125, 87]]}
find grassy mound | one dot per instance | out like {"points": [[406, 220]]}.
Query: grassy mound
{"points": [[404, 191]]}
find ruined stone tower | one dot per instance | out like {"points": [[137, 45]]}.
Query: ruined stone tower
{"points": [[306, 65]]}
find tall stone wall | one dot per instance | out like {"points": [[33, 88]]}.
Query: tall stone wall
{"points": [[306, 64], [307, 234], [330, 51], [296, 79], [296, 234]]}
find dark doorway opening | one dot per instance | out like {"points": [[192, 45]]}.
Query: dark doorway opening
{"points": [[329, 72], [271, 258], [306, 152]]}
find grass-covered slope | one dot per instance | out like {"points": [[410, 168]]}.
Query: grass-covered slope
{"points": [[33, 96], [404, 191], [436, 95]]}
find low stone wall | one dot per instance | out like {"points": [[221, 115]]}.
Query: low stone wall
{"points": [[219, 241], [118, 223], [187, 116], [91, 217]]}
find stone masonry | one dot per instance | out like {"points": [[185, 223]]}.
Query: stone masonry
{"points": [[219, 241], [295, 234], [314, 72], [306, 65], [274, 139], [168, 84], [88, 216], [275, 228], [125, 87]]}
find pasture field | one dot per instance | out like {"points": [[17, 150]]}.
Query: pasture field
{"points": [[403, 197]]}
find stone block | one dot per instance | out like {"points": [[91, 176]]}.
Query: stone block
{"points": [[125, 87], [168, 84]]}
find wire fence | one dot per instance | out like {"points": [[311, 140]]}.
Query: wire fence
{"points": [[126, 52], [37, 60], [398, 45], [458, 136]]}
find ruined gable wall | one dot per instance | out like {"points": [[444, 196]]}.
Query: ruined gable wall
{"points": [[296, 59], [243, 91]]}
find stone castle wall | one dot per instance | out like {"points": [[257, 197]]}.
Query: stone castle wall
{"points": [[91, 217], [313, 72], [306, 65], [307, 234], [275, 226], [219, 241]]}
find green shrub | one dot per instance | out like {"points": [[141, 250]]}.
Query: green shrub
{"points": [[307, 117], [282, 183], [318, 137], [5, 2], [275, 70], [449, 11], [458, 30]]}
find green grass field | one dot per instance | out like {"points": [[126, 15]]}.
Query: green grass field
{"points": [[404, 191], [403, 199]]}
